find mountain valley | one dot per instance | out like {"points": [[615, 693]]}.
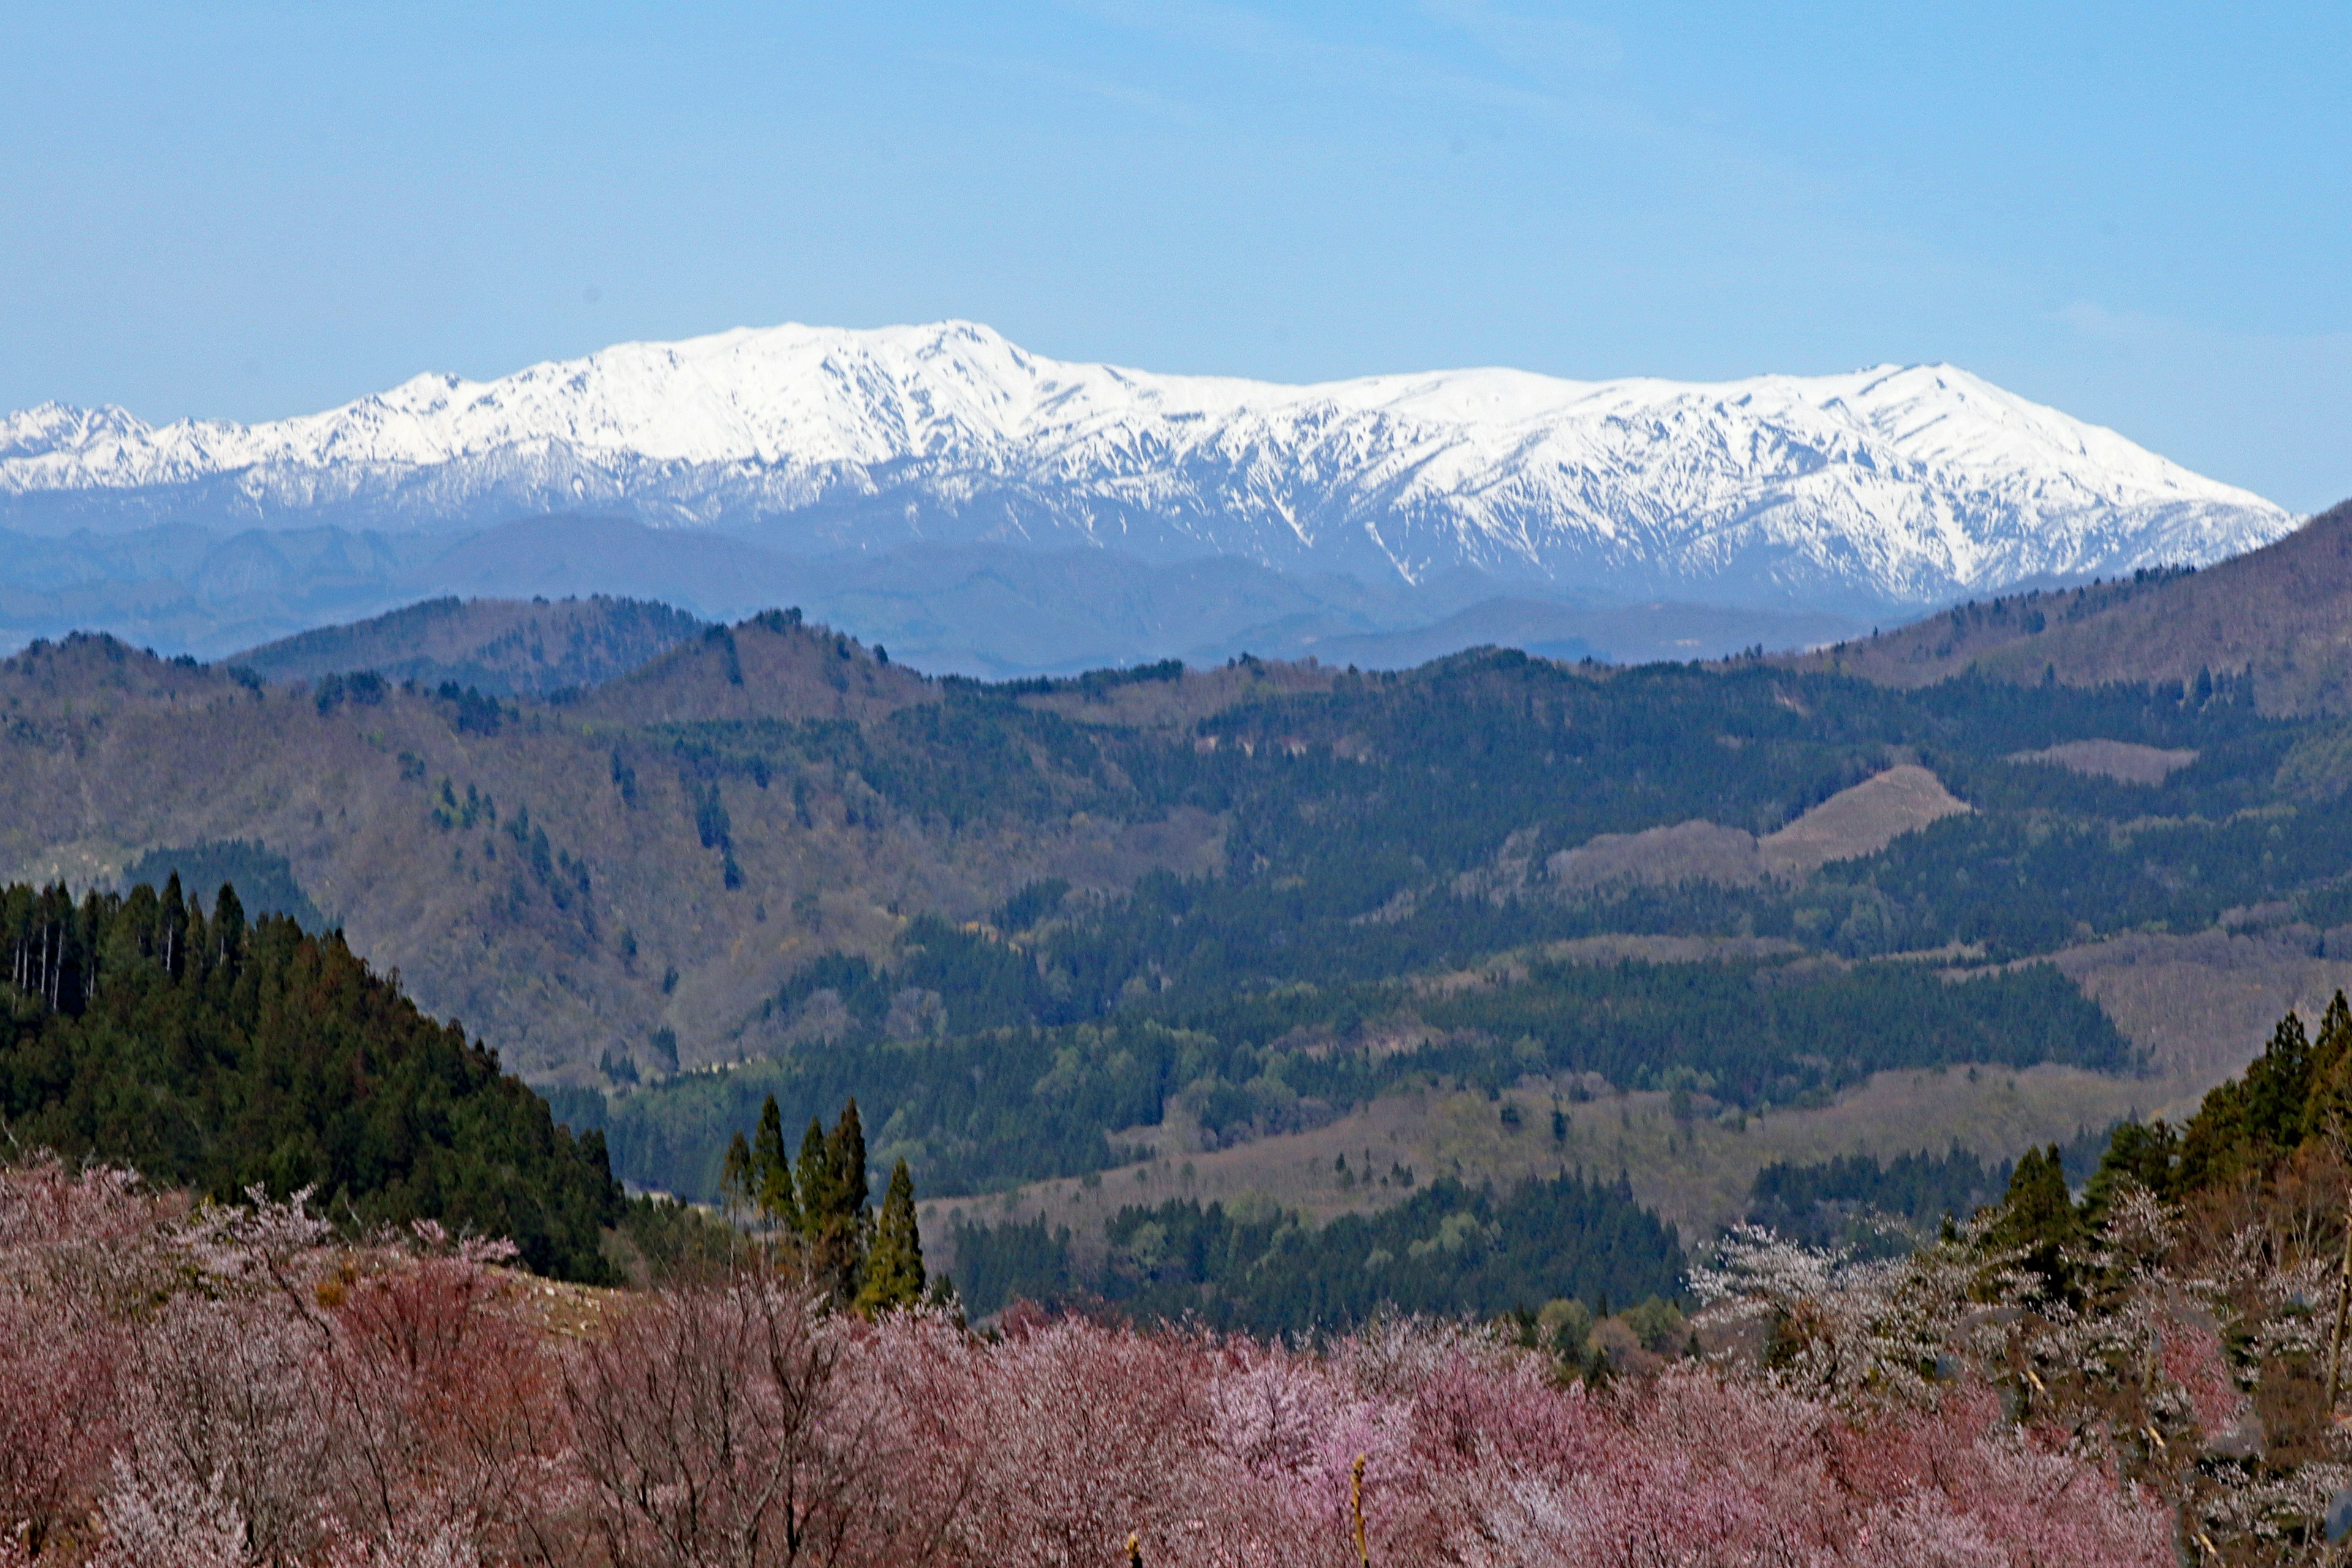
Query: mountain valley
{"points": [[1169, 918]]}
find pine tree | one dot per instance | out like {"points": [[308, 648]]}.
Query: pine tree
{"points": [[833, 1215], [771, 1172], [172, 930], [894, 1267], [2145, 1154], [735, 1186], [815, 1179], [2247, 1122], [2327, 1098], [2039, 1217], [847, 1147], [228, 925]]}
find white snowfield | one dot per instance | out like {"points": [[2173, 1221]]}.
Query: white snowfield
{"points": [[1896, 484]]}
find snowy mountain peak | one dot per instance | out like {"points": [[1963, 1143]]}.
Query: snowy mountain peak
{"points": [[1893, 484]]}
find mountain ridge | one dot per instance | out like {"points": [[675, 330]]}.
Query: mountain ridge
{"points": [[2278, 619], [1888, 486]]}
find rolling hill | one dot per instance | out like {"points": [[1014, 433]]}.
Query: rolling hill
{"points": [[1214, 919], [2279, 617], [502, 647], [572, 880]]}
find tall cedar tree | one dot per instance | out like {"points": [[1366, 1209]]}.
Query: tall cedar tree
{"points": [[832, 1192], [2295, 1090], [737, 1186], [2039, 1217], [771, 1172], [894, 1267], [815, 1179], [820, 1233]]}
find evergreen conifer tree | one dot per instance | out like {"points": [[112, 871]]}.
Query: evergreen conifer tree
{"points": [[834, 1214], [847, 1147], [815, 1179], [735, 1182], [2327, 1099], [2039, 1217], [2249, 1122], [2146, 1154], [894, 1266], [172, 932], [228, 925], [771, 1171]]}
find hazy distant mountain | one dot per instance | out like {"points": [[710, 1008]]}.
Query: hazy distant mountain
{"points": [[502, 647], [973, 609], [1881, 488]]}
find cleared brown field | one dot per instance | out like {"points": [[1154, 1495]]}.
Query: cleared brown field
{"points": [[1860, 820], [2127, 762]]}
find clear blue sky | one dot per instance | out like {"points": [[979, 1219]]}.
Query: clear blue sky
{"points": [[2142, 213]]}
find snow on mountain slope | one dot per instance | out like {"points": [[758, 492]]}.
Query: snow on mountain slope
{"points": [[1886, 486]]}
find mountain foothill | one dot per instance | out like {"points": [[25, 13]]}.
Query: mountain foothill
{"points": [[2275, 617], [1049, 928]]}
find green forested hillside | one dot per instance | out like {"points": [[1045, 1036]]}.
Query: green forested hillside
{"points": [[218, 1055], [1446, 1250]]}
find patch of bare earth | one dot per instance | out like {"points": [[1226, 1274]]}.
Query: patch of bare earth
{"points": [[1862, 820], [1853, 822], [2203, 1005], [2125, 761]]}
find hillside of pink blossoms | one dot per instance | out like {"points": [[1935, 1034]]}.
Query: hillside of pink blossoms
{"points": [[225, 1386]]}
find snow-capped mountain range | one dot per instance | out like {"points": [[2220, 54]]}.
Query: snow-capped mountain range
{"points": [[1894, 486]]}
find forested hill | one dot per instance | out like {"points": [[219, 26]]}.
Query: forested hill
{"points": [[503, 647], [1024, 922], [219, 1055]]}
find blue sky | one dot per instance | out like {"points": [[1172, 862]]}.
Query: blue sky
{"points": [[2137, 212]]}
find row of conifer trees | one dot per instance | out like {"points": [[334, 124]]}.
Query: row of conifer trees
{"points": [[816, 1215]]}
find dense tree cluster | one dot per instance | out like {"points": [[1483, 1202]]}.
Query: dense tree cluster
{"points": [[1856, 1199], [219, 1053], [1448, 1250], [814, 1218]]}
